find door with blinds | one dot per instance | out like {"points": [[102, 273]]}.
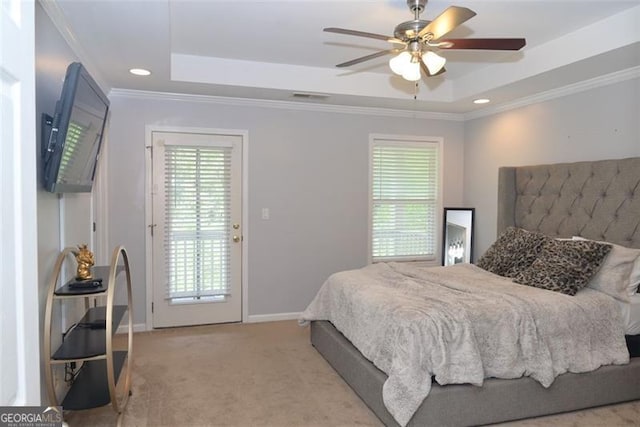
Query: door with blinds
{"points": [[197, 234]]}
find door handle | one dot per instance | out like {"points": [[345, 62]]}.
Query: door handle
{"points": [[236, 239]]}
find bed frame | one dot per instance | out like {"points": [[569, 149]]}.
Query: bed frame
{"points": [[598, 200]]}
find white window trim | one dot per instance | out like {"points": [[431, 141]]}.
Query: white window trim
{"points": [[439, 205]]}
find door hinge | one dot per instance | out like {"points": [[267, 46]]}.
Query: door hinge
{"points": [[152, 307], [94, 227]]}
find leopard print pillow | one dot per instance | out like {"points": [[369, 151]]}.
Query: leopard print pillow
{"points": [[513, 251], [564, 266]]}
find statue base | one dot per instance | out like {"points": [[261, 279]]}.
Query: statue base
{"points": [[88, 283]]}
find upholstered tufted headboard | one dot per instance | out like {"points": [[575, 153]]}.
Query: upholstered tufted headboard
{"points": [[598, 200]]}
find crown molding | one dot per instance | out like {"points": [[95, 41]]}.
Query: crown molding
{"points": [[596, 82], [59, 20], [285, 105], [607, 79]]}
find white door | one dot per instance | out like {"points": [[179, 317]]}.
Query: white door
{"points": [[19, 323], [197, 234]]}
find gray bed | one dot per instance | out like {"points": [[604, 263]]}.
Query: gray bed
{"points": [[598, 200]]}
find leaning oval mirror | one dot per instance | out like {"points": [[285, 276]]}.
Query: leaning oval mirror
{"points": [[457, 235]]}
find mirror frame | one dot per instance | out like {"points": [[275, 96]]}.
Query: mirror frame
{"points": [[470, 238]]}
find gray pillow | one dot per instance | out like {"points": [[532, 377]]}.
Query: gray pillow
{"points": [[619, 274], [564, 266], [513, 251]]}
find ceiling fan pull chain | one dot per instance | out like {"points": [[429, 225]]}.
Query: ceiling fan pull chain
{"points": [[415, 92]]}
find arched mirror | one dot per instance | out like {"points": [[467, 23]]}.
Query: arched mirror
{"points": [[457, 235]]}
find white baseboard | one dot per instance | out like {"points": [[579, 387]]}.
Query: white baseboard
{"points": [[137, 327], [272, 317], [257, 318]]}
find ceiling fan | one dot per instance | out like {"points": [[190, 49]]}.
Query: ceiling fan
{"points": [[418, 41]]}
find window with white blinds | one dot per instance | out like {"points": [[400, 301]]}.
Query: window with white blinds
{"points": [[404, 200], [197, 215]]}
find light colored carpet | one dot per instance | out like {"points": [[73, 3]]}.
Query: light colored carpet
{"points": [[260, 374]]}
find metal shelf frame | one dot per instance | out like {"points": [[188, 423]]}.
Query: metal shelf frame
{"points": [[90, 343]]}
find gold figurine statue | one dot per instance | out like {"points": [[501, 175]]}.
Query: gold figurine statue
{"points": [[85, 260]]}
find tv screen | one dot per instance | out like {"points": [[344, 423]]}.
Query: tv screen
{"points": [[77, 129]]}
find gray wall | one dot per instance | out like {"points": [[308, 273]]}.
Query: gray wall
{"points": [[601, 123], [52, 58], [62, 220], [309, 168]]}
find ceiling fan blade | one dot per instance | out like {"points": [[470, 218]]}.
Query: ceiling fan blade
{"points": [[486, 44], [426, 72], [447, 21], [366, 58], [363, 34]]}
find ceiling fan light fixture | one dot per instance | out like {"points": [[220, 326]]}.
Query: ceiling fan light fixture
{"points": [[412, 72], [433, 61], [418, 37], [399, 63], [406, 65]]}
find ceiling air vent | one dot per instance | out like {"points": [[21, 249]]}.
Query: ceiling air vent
{"points": [[310, 96]]}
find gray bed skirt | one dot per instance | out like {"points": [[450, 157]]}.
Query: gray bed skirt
{"points": [[496, 401]]}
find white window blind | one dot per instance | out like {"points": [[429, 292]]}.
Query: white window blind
{"points": [[404, 191], [197, 230]]}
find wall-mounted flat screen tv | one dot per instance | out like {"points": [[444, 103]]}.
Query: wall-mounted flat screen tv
{"points": [[75, 134]]}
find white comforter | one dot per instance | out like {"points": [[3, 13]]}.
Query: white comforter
{"points": [[462, 324]]}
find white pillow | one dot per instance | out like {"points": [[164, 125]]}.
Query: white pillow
{"points": [[619, 274]]}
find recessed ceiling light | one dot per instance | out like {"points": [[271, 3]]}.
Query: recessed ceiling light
{"points": [[140, 72], [481, 101]]}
